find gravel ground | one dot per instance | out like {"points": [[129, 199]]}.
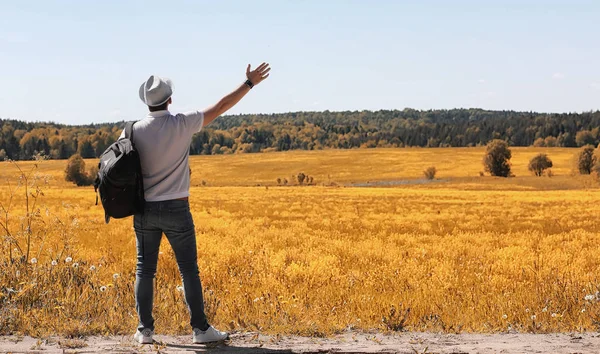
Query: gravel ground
{"points": [[344, 343]]}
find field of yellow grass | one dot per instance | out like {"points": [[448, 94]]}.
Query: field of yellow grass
{"points": [[462, 253]]}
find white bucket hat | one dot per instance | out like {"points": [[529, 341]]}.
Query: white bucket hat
{"points": [[156, 91]]}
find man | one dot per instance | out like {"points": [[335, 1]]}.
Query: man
{"points": [[163, 142]]}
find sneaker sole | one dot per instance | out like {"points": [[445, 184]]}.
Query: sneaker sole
{"points": [[144, 341]]}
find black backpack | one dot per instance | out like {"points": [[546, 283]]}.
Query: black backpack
{"points": [[119, 178]]}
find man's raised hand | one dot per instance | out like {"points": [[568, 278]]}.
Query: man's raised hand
{"points": [[257, 75]]}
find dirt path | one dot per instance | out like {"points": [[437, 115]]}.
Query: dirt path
{"points": [[346, 343]]}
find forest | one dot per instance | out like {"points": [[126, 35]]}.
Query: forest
{"points": [[321, 130]]}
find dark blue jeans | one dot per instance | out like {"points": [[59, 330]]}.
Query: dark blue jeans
{"points": [[172, 217]]}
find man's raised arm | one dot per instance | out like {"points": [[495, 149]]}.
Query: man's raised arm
{"points": [[254, 77]]}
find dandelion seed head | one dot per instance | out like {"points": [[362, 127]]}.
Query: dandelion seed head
{"points": [[545, 309], [533, 317], [116, 276], [54, 263], [93, 268], [75, 265], [102, 289], [553, 315], [589, 297], [33, 260], [68, 260], [504, 317], [527, 310], [582, 310]]}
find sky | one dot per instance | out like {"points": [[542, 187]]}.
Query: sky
{"points": [[82, 61]]}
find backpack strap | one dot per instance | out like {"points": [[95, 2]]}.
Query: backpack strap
{"points": [[129, 130]]}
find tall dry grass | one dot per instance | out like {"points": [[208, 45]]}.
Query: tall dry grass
{"points": [[465, 254]]}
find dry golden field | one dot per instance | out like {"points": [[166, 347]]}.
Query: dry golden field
{"points": [[463, 253]]}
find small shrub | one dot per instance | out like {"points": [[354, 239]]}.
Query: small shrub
{"points": [[396, 320], [497, 158], [75, 172], [285, 181], [278, 181], [301, 178], [586, 160], [430, 172], [539, 163]]}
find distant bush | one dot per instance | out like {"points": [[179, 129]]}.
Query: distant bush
{"points": [[301, 177], [75, 172], [430, 172], [539, 142], [596, 167], [586, 160], [551, 142], [216, 150], [585, 137], [497, 158], [93, 173], [539, 163]]}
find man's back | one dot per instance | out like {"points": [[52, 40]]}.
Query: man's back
{"points": [[163, 142]]}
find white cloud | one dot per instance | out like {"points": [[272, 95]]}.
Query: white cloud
{"points": [[316, 103], [481, 81], [558, 76], [595, 85]]}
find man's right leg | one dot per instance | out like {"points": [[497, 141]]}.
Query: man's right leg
{"points": [[148, 242], [176, 221]]}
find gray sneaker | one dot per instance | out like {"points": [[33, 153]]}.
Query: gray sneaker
{"points": [[144, 337], [208, 336]]}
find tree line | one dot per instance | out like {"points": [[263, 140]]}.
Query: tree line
{"points": [[319, 130]]}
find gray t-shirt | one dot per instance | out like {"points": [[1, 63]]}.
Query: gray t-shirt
{"points": [[163, 142]]}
